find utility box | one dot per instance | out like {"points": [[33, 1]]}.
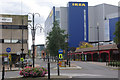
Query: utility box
{"points": [[62, 63]]}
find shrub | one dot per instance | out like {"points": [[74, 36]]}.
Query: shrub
{"points": [[33, 72]]}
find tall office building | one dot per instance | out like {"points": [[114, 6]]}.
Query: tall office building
{"points": [[11, 35], [99, 16], [73, 19], [77, 23]]}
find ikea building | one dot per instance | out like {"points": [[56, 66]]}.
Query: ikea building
{"points": [[84, 23]]}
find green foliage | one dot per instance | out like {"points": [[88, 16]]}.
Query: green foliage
{"points": [[29, 53], [72, 49], [84, 45], [56, 40], [117, 33]]}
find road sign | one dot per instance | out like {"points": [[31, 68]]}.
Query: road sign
{"points": [[8, 49], [22, 59], [60, 56], [60, 51]]}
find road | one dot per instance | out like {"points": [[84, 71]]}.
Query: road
{"points": [[88, 70]]}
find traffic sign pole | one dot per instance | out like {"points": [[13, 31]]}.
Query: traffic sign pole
{"points": [[8, 60], [8, 50], [58, 66], [3, 70], [60, 51]]}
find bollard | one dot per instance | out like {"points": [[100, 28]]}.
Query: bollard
{"points": [[113, 63], [58, 68], [48, 70], [3, 71], [69, 63], [116, 63], [106, 62]]}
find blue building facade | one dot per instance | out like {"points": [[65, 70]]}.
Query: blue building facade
{"points": [[112, 25], [77, 23], [74, 19]]}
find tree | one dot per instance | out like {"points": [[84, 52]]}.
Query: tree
{"points": [[84, 45], [72, 49], [117, 33], [56, 40], [117, 36]]}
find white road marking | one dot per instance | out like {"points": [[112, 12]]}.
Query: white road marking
{"points": [[74, 74]]}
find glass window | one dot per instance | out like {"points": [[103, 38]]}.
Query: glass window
{"points": [[58, 16], [14, 41], [12, 27], [1, 40], [7, 41]]}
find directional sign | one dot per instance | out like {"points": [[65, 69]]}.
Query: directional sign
{"points": [[8, 49], [60, 56], [60, 51]]}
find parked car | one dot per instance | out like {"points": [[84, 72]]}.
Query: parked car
{"points": [[26, 62]]}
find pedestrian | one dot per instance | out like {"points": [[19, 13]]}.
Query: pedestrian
{"points": [[10, 65]]}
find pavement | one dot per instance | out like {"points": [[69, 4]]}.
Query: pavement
{"points": [[72, 67], [104, 64], [14, 68], [82, 72]]}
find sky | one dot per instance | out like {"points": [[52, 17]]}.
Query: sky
{"points": [[43, 7]]}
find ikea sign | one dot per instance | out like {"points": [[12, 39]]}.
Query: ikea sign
{"points": [[78, 4]]}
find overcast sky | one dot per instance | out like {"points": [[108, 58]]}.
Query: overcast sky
{"points": [[42, 7]]}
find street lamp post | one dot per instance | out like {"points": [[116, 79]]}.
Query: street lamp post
{"points": [[33, 31], [22, 44], [69, 58], [98, 40], [3, 68]]}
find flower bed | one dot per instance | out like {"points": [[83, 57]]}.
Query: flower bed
{"points": [[33, 72]]}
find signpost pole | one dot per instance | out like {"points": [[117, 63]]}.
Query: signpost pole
{"points": [[60, 51], [8, 60], [8, 50], [58, 66]]}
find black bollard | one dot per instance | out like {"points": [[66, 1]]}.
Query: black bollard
{"points": [[3, 71], [69, 63], [48, 70], [58, 67]]}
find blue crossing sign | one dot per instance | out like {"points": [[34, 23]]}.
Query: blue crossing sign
{"points": [[8, 49], [60, 51]]}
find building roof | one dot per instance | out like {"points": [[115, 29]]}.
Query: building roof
{"points": [[103, 47]]}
